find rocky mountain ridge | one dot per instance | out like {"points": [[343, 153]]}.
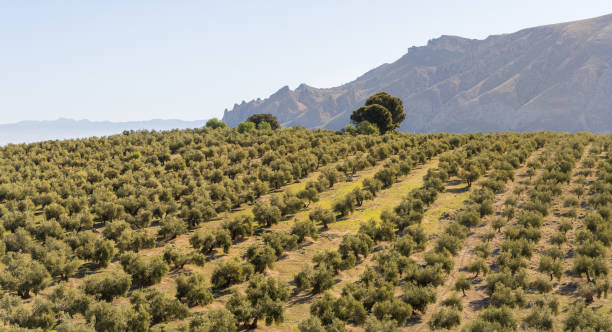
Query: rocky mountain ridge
{"points": [[554, 77]]}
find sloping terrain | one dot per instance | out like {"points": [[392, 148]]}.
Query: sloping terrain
{"points": [[306, 230], [554, 77]]}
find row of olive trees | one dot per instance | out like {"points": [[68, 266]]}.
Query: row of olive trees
{"points": [[53, 203], [507, 283], [374, 295]]}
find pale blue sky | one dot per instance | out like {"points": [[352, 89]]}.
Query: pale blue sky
{"points": [[133, 60]]}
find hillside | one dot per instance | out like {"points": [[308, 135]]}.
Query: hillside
{"points": [[555, 77], [295, 229]]}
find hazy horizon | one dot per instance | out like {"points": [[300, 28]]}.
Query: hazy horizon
{"points": [[101, 121], [118, 61]]}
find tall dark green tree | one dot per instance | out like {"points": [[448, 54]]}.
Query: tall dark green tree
{"points": [[392, 104], [375, 114], [382, 110]]}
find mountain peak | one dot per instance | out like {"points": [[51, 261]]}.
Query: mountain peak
{"points": [[553, 77], [448, 42], [303, 87]]}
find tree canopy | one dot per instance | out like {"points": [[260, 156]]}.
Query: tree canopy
{"points": [[375, 114], [392, 104], [264, 117], [382, 110]]}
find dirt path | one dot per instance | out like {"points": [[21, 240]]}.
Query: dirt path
{"points": [[466, 254], [298, 307], [292, 262], [567, 289], [549, 227], [238, 248]]}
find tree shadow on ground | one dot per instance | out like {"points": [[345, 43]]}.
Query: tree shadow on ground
{"points": [[567, 289], [457, 190], [480, 304]]}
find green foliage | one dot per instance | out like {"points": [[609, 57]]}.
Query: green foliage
{"points": [[230, 272], [107, 317], [373, 325], [145, 271], [239, 306], [493, 319], [384, 231], [325, 217], [107, 285], [372, 185], [23, 275], [482, 250], [462, 284], [246, 127], [354, 246], [498, 223], [506, 296], [266, 214], [171, 227], [135, 240], [470, 172], [257, 119], [174, 257], [265, 298], [345, 206], [454, 302], [260, 256], [349, 309], [280, 241], [393, 104], [302, 279], [374, 114], [39, 316], [215, 123], [367, 128], [207, 241], [92, 248], [468, 218], [394, 309], [214, 320], [160, 306], [486, 208], [386, 176], [581, 318], [70, 300], [330, 259], [240, 227], [445, 318], [448, 243], [69, 206], [59, 259], [442, 259], [419, 297], [591, 267], [322, 280], [309, 195], [478, 266], [311, 324], [193, 289], [323, 308], [264, 126], [304, 228], [114, 229]]}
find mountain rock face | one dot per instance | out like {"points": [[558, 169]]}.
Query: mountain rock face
{"points": [[555, 77]]}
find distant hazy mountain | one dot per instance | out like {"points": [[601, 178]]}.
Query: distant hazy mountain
{"points": [[554, 77], [34, 131]]}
